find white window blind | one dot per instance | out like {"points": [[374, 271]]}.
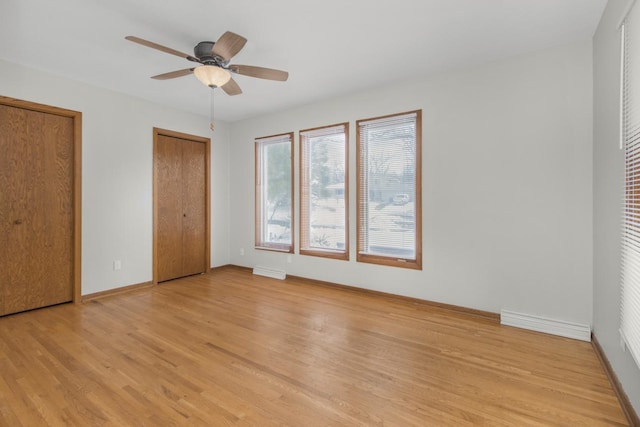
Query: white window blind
{"points": [[324, 195], [274, 193], [389, 190], [630, 298]]}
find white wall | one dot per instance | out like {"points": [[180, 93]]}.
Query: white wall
{"points": [[507, 201], [607, 195], [117, 165]]}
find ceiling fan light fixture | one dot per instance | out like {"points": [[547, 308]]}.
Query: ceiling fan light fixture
{"points": [[212, 76]]}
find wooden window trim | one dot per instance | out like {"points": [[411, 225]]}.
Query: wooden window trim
{"points": [[304, 220], [259, 245], [416, 263]]}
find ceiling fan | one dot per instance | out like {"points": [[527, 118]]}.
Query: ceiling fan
{"points": [[214, 58]]}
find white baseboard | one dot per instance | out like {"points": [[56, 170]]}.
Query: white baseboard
{"points": [[269, 272], [549, 326]]}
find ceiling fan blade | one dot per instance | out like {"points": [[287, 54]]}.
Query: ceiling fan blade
{"points": [[232, 88], [173, 74], [161, 48], [260, 72], [228, 45]]}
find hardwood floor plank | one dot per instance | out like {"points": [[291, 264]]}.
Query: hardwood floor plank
{"points": [[232, 349]]}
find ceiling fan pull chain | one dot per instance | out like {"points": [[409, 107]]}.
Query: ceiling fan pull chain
{"points": [[211, 121]]}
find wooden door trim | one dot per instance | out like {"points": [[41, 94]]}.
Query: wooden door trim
{"points": [[76, 116], [207, 178]]}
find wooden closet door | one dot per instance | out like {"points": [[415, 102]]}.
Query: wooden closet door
{"points": [[169, 201], [193, 201], [181, 230], [36, 209]]}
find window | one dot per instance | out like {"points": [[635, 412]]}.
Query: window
{"points": [[324, 195], [389, 190], [630, 138], [274, 191]]}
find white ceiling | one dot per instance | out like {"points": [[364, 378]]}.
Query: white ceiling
{"points": [[329, 47]]}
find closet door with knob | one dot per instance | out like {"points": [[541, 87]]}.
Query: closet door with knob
{"points": [[193, 202], [181, 206], [36, 209]]}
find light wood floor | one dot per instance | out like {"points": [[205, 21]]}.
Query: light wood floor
{"points": [[230, 348]]}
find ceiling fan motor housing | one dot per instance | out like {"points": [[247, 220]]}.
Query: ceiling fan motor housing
{"points": [[203, 51]]}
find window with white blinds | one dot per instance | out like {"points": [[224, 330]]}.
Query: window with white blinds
{"points": [[274, 193], [389, 190], [324, 192], [630, 129]]}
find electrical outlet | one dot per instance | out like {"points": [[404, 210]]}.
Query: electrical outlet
{"points": [[241, 252], [289, 259], [117, 265]]}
